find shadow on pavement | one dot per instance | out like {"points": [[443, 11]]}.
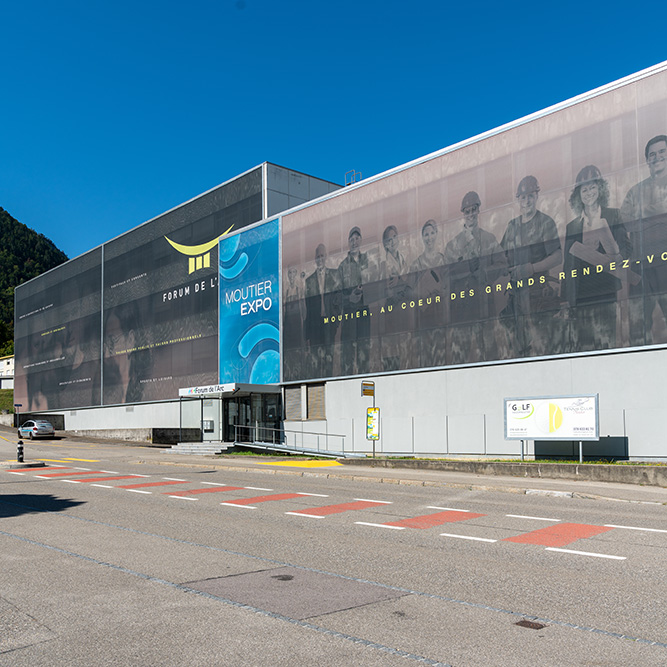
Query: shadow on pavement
{"points": [[27, 503]]}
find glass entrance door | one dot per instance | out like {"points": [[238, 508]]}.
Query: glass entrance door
{"points": [[252, 417], [237, 419]]}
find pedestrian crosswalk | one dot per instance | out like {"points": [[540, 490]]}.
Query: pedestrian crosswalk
{"points": [[462, 523]]}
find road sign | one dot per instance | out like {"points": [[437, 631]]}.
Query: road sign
{"points": [[368, 388]]}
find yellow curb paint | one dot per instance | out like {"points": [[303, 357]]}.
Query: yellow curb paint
{"points": [[65, 460], [300, 464]]}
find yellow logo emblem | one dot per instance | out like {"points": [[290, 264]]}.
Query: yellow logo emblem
{"points": [[199, 256]]}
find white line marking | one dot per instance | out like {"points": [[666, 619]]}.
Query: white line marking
{"points": [[71, 481], [183, 498], [318, 495], [256, 488], [103, 486], [383, 502], [245, 507], [40, 476], [310, 516], [17, 473], [176, 479], [468, 537], [585, 553], [77, 468], [379, 525], [447, 509], [137, 491], [111, 472], [212, 483], [651, 530], [535, 518]]}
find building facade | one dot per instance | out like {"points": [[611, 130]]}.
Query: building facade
{"points": [[529, 261]]}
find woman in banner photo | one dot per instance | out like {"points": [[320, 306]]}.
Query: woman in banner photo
{"points": [[596, 237], [393, 271], [429, 286]]}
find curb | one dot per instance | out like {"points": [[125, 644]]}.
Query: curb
{"points": [[407, 482]]}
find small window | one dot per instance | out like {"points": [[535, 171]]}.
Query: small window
{"points": [[315, 397], [293, 403]]}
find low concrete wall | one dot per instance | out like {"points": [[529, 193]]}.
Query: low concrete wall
{"points": [[649, 475], [7, 420], [129, 434]]}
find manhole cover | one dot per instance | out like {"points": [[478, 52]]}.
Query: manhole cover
{"points": [[295, 593]]}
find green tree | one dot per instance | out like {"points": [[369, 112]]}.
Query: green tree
{"points": [[24, 254]]}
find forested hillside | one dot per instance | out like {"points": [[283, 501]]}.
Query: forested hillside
{"points": [[24, 254]]}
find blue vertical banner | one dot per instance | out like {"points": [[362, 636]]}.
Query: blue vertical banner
{"points": [[250, 306]]}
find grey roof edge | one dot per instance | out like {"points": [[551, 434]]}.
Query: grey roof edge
{"points": [[178, 206]]}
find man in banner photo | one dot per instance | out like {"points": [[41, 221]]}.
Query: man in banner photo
{"points": [[322, 304], [532, 246], [474, 260], [644, 212]]}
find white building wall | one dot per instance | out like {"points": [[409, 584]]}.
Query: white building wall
{"points": [[460, 411], [122, 417]]}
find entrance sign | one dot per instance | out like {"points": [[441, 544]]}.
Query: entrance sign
{"points": [[552, 418], [209, 389], [373, 424]]}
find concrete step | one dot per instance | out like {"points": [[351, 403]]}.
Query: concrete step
{"points": [[197, 448]]}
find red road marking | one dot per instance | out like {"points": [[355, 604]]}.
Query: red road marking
{"points": [[437, 519], [559, 535], [337, 509], [139, 486], [104, 479], [68, 474], [265, 499], [212, 489]]}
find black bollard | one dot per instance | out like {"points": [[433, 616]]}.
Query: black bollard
{"points": [[19, 452]]}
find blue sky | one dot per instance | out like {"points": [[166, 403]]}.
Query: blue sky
{"points": [[115, 112]]}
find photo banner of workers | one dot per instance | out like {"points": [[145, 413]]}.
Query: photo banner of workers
{"points": [[548, 238]]}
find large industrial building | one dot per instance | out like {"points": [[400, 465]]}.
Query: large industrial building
{"points": [[530, 261]]}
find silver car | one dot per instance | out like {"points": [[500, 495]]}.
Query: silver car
{"points": [[36, 428]]}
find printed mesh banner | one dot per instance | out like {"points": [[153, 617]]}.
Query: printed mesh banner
{"points": [[136, 319], [546, 239], [250, 306]]}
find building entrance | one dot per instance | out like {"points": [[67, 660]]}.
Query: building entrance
{"points": [[232, 413]]}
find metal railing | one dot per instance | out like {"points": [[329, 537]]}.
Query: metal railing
{"points": [[280, 439]]}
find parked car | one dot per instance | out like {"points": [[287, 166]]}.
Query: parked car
{"points": [[36, 428]]}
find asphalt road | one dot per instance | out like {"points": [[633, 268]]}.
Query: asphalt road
{"points": [[117, 555]]}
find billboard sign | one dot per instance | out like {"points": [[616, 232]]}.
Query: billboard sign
{"points": [[250, 306], [552, 418], [372, 423]]}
